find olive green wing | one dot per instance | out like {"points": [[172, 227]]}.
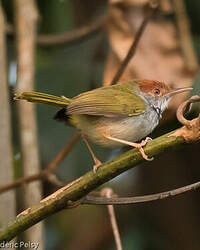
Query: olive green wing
{"points": [[109, 101]]}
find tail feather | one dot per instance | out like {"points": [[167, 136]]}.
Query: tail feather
{"points": [[43, 98], [61, 116]]}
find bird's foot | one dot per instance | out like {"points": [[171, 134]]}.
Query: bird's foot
{"points": [[144, 142], [139, 146], [97, 164]]}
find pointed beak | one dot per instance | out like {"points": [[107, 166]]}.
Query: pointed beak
{"points": [[177, 91]]}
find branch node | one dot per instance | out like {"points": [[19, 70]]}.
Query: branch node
{"points": [[191, 129], [25, 212], [107, 192], [74, 204]]}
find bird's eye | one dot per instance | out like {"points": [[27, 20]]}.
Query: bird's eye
{"points": [[156, 91]]}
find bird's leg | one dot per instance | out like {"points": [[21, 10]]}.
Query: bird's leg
{"points": [[97, 162], [139, 146]]}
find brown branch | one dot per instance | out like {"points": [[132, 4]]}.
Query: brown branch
{"points": [[67, 37], [139, 199], [190, 131], [184, 107], [26, 16], [74, 139], [53, 179], [108, 192], [7, 204], [46, 173], [20, 181], [132, 50], [186, 43]]}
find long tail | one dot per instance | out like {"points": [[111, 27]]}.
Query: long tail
{"points": [[43, 98]]}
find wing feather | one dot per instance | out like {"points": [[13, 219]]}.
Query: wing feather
{"points": [[108, 101]]}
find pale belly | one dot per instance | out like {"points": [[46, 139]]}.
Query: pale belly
{"points": [[131, 129]]}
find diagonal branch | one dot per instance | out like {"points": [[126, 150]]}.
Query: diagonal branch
{"points": [[133, 48], [46, 173], [185, 36], [73, 194]]}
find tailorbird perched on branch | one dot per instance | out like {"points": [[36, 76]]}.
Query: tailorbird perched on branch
{"points": [[113, 115]]}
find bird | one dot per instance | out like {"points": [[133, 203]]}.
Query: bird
{"points": [[111, 116]]}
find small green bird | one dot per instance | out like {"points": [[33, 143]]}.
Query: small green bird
{"points": [[113, 115]]}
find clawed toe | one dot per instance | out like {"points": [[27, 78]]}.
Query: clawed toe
{"points": [[133, 144], [144, 142], [98, 163], [140, 148], [144, 155], [148, 139]]}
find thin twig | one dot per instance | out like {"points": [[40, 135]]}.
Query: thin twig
{"points": [[67, 37], [134, 45], [20, 181], [186, 43], [107, 192], [139, 199], [190, 131], [74, 139], [184, 107], [53, 179], [46, 172]]}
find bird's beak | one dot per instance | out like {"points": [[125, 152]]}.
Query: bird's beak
{"points": [[177, 91]]}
